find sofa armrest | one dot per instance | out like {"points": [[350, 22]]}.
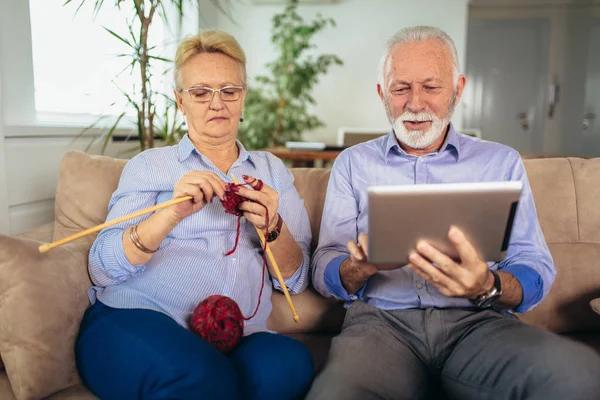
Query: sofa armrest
{"points": [[42, 233], [595, 305]]}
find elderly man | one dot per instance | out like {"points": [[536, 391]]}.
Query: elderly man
{"points": [[436, 320]]}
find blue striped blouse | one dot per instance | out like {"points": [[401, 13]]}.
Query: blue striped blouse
{"points": [[190, 264]]}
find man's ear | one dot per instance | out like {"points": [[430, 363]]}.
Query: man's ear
{"points": [[380, 93], [460, 86]]}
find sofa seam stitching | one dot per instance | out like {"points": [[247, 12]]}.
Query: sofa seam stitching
{"points": [[576, 203]]}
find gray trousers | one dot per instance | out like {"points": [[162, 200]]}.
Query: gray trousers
{"points": [[465, 353]]}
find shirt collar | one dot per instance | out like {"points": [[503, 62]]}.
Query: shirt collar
{"points": [[186, 147], [451, 142]]}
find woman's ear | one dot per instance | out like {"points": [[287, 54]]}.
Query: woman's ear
{"points": [[179, 101]]}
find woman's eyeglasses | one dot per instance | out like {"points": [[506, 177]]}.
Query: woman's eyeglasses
{"points": [[203, 94]]}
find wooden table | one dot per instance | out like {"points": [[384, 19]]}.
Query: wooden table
{"points": [[303, 158]]}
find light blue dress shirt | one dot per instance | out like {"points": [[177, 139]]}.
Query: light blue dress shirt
{"points": [[190, 264], [460, 159]]}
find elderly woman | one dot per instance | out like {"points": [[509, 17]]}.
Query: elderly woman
{"points": [[151, 272]]}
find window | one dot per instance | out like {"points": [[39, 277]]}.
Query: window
{"points": [[75, 65]]}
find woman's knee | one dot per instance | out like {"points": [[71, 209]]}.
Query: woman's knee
{"points": [[134, 353]]}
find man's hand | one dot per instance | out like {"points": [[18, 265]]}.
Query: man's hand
{"points": [[468, 278], [355, 271]]}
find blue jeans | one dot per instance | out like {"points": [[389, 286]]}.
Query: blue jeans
{"points": [[144, 354]]}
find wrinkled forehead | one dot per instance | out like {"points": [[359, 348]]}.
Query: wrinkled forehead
{"points": [[417, 61], [212, 70]]}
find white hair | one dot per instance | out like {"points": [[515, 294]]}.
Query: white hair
{"points": [[418, 34]]}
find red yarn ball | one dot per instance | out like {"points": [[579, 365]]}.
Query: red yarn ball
{"points": [[218, 320]]}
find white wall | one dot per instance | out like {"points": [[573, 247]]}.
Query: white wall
{"points": [[347, 95]]}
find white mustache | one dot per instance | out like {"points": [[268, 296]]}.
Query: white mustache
{"points": [[420, 117]]}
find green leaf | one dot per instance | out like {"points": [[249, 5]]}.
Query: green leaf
{"points": [[78, 7], [118, 37], [160, 59], [111, 132]]}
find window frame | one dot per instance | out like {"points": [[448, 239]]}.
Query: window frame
{"points": [[19, 116]]}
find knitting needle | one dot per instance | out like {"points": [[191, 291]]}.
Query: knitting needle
{"points": [[275, 267], [45, 247]]}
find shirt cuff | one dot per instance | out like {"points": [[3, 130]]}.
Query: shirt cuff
{"points": [[531, 283], [119, 254], [333, 281], [293, 283]]}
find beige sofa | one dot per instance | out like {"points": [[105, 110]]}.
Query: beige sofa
{"points": [[43, 296]]}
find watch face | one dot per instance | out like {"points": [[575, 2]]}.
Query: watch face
{"points": [[272, 236]]}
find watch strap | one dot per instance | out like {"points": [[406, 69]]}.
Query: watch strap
{"points": [[274, 232]]}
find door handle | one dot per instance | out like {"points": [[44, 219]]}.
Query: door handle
{"points": [[587, 121], [524, 120]]}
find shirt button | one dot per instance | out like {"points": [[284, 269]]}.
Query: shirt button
{"points": [[421, 159], [419, 286], [353, 297], [234, 259]]}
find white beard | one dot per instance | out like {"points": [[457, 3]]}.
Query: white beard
{"points": [[420, 139], [423, 138]]}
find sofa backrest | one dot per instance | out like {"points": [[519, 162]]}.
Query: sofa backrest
{"points": [[565, 191]]}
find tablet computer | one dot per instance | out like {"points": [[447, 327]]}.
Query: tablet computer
{"points": [[400, 216]]}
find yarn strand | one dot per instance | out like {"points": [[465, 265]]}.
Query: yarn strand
{"points": [[218, 319]]}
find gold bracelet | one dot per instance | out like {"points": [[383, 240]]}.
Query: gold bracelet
{"points": [[133, 235]]}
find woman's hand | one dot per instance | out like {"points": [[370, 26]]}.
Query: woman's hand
{"points": [[202, 186], [261, 196]]}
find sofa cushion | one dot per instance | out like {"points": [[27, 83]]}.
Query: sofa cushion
{"points": [[566, 309], [566, 192], [311, 184], [43, 298], [551, 182], [85, 185], [6, 392], [595, 304]]}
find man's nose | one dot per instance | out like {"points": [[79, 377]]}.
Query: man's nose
{"points": [[415, 101]]}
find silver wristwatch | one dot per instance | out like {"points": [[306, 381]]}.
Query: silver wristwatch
{"points": [[488, 299]]}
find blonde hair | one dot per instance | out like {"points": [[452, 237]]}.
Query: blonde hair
{"points": [[209, 41]]}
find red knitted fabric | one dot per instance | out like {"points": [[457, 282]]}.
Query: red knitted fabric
{"points": [[232, 200], [219, 321]]}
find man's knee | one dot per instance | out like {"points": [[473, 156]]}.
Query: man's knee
{"points": [[347, 380], [571, 369]]}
